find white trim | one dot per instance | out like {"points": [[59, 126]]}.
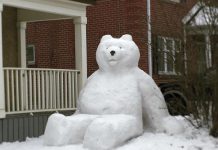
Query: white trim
{"points": [[176, 1], [24, 15], [208, 53], [81, 49], [22, 43], [54, 6], [165, 55], [2, 86], [167, 73], [150, 68], [195, 9]]}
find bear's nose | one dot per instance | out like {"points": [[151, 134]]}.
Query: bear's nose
{"points": [[112, 53]]}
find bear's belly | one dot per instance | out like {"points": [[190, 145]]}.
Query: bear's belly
{"points": [[111, 97]]}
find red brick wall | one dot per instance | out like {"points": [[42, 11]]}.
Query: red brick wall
{"points": [[54, 42], [116, 17], [166, 20], [55, 39], [166, 17]]}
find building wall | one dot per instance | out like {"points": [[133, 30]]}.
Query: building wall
{"points": [[9, 28], [166, 17], [54, 40], [166, 20], [116, 17], [54, 43]]}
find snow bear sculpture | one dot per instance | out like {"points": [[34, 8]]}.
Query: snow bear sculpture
{"points": [[115, 103]]}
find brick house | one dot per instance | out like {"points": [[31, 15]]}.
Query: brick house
{"points": [[52, 43], [117, 17]]}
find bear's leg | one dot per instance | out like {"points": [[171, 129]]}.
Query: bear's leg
{"points": [[62, 130], [110, 131]]}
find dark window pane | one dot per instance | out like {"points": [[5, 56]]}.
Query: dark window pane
{"points": [[160, 61], [170, 61], [160, 43], [177, 45], [169, 44], [201, 57]]}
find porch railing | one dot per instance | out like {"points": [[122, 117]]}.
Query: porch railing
{"points": [[36, 90]]}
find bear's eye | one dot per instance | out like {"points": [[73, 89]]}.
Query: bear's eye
{"points": [[120, 47]]}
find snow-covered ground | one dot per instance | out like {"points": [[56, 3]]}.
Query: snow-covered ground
{"points": [[191, 139]]}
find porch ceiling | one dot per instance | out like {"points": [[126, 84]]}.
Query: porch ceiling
{"points": [[47, 8], [24, 15]]}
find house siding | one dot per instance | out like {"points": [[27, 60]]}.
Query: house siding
{"points": [[19, 127], [9, 28]]}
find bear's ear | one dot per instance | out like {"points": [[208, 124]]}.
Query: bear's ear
{"points": [[106, 37], [126, 37]]}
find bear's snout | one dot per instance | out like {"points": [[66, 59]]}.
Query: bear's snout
{"points": [[112, 53]]}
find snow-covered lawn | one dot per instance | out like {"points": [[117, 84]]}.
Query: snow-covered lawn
{"points": [[192, 139]]}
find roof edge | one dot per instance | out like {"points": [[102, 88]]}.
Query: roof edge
{"points": [[194, 11], [85, 1]]}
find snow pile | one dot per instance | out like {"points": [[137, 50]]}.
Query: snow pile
{"points": [[116, 102], [192, 139], [61, 129]]}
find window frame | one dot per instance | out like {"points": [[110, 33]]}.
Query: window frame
{"points": [[165, 54], [173, 1], [176, 1]]}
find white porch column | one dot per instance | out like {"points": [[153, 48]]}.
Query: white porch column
{"points": [[81, 49], [2, 87], [22, 44], [208, 50]]}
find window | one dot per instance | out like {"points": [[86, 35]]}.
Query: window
{"points": [[174, 1], [202, 47], [168, 52], [30, 54]]}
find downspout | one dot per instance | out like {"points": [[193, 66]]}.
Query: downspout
{"points": [[149, 37]]}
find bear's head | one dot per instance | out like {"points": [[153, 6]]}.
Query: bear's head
{"points": [[116, 54]]}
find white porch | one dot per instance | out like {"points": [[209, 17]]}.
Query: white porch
{"points": [[31, 90], [25, 90]]}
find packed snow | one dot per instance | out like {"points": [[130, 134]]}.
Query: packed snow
{"points": [[191, 139], [117, 101]]}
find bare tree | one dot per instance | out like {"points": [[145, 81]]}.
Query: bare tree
{"points": [[197, 66], [200, 81]]}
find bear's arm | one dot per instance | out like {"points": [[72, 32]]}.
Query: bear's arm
{"points": [[147, 86], [82, 90], [153, 104]]}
